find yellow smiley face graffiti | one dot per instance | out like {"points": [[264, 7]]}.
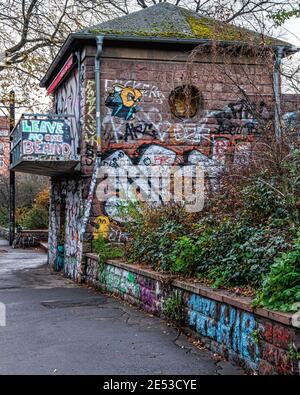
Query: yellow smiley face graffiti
{"points": [[101, 226]]}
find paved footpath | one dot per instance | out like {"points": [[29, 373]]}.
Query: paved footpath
{"points": [[56, 327]]}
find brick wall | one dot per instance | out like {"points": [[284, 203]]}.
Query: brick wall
{"points": [[291, 109], [290, 102], [259, 340], [146, 132]]}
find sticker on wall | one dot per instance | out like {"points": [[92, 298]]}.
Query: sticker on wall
{"points": [[123, 100]]}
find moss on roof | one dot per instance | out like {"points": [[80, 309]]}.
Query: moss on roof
{"points": [[165, 20]]}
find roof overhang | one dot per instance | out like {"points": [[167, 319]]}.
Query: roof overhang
{"points": [[76, 40]]}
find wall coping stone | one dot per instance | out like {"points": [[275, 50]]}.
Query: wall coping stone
{"points": [[241, 302]]}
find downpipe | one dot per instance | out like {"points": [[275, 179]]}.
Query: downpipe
{"points": [[87, 209], [99, 41], [277, 90]]}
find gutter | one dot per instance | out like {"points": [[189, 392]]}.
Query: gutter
{"points": [[277, 90]]}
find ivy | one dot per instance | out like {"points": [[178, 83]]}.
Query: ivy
{"points": [[281, 288], [106, 250], [243, 239]]}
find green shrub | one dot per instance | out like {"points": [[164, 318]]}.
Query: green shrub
{"points": [[106, 250], [261, 202], [233, 253], [3, 217], [35, 218], [244, 228], [281, 288], [173, 307], [153, 233], [227, 252], [184, 256]]}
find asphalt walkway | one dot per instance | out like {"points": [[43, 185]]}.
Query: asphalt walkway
{"points": [[56, 327]]}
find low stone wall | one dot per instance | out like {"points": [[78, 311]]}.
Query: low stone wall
{"points": [[260, 340], [4, 233], [39, 234]]}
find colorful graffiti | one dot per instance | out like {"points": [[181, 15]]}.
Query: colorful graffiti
{"points": [[123, 100], [153, 138], [260, 344], [89, 139], [143, 137], [67, 101], [237, 119], [54, 223], [66, 210], [90, 119], [73, 215], [101, 227], [137, 288], [151, 124], [226, 325], [146, 156], [46, 138], [232, 329]]}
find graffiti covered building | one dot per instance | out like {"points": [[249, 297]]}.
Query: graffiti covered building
{"points": [[4, 146], [123, 85]]}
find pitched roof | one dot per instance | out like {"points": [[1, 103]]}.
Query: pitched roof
{"points": [[165, 20]]}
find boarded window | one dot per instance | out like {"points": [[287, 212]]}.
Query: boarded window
{"points": [[185, 101]]}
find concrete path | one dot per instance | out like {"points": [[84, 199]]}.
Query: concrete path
{"points": [[56, 327]]}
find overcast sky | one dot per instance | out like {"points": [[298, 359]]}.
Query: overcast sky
{"points": [[291, 31]]}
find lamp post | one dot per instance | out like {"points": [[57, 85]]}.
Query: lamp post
{"points": [[12, 181]]}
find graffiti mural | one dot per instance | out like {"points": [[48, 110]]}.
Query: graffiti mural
{"points": [[138, 131], [145, 137], [46, 138], [90, 119], [239, 117], [73, 246], [67, 101], [142, 290], [235, 119], [54, 224], [226, 325], [123, 100], [66, 210], [141, 184], [152, 125], [89, 139]]}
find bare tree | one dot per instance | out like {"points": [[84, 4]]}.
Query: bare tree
{"points": [[31, 31], [228, 10]]}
